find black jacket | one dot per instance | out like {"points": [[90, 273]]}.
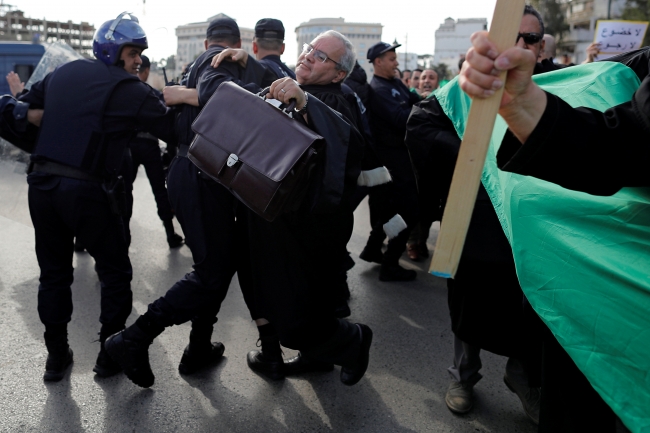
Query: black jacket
{"points": [[389, 111]]}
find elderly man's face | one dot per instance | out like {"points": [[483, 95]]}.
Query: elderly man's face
{"points": [[311, 70], [530, 24], [428, 81]]}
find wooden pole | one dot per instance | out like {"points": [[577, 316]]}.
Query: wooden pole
{"points": [[473, 149]]}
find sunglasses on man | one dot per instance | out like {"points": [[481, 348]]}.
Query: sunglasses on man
{"points": [[318, 54], [529, 38]]}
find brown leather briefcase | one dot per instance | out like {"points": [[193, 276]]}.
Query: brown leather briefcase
{"points": [[257, 151]]}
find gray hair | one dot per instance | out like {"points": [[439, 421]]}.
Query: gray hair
{"points": [[347, 60]]}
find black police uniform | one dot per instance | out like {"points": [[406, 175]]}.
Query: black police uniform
{"points": [[205, 210], [389, 111], [273, 63], [77, 157]]}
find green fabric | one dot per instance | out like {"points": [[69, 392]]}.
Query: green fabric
{"points": [[583, 261]]}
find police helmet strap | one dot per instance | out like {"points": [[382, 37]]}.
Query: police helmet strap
{"points": [[116, 21]]}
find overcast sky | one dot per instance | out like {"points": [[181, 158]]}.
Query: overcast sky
{"points": [[417, 18]]}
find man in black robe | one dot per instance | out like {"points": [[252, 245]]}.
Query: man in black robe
{"points": [[492, 319], [571, 147]]}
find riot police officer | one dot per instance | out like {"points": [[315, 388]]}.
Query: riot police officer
{"points": [[206, 212], [74, 187], [268, 46], [390, 109]]}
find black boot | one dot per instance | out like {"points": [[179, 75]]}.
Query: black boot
{"points": [[300, 364], [105, 366], [394, 272], [201, 352], [354, 371], [59, 356], [130, 349], [267, 361], [174, 240]]}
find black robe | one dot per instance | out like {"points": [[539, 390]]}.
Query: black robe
{"points": [[296, 259]]}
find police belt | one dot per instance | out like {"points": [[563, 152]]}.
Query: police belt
{"points": [[51, 167]]}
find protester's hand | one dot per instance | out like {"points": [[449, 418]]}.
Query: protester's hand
{"points": [[523, 102], [176, 95], [592, 52], [237, 55], [286, 89], [15, 85]]}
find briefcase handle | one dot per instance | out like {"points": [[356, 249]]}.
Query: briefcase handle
{"points": [[292, 102]]}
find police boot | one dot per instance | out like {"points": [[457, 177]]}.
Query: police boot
{"points": [[105, 366], [174, 240], [59, 355], [201, 352], [268, 360], [130, 349], [301, 364]]}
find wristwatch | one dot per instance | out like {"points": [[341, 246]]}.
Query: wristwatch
{"points": [[303, 110]]}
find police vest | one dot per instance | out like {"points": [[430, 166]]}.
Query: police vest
{"points": [[72, 128]]}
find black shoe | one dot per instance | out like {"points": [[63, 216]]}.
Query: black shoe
{"points": [[352, 374], [299, 365], [272, 368], [396, 273], [372, 255], [105, 366], [58, 361], [342, 310], [131, 352], [174, 240], [194, 360]]}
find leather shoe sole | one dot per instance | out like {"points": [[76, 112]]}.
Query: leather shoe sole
{"points": [[351, 375]]}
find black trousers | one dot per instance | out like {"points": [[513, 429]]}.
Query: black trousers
{"points": [[400, 196], [147, 153], [296, 263], [206, 212], [62, 209]]}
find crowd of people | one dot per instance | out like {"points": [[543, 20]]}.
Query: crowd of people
{"points": [[388, 139]]}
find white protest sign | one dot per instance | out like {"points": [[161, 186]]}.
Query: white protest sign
{"points": [[616, 36]]}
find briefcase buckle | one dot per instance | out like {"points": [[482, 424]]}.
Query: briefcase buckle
{"points": [[232, 160]]}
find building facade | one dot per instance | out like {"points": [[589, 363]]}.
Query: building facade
{"points": [[582, 16], [361, 35], [15, 26], [191, 39], [452, 40]]}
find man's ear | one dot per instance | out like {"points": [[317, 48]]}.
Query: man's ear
{"points": [[255, 47], [205, 44], [339, 77]]}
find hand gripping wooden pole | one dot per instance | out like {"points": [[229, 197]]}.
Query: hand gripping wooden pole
{"points": [[473, 149]]}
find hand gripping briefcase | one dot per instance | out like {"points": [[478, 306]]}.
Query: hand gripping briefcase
{"points": [[257, 151]]}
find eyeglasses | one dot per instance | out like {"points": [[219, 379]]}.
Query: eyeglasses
{"points": [[318, 54], [529, 38]]}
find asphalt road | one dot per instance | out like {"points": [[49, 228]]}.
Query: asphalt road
{"points": [[403, 390]]}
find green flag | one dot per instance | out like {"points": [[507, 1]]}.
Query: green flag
{"points": [[583, 261]]}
